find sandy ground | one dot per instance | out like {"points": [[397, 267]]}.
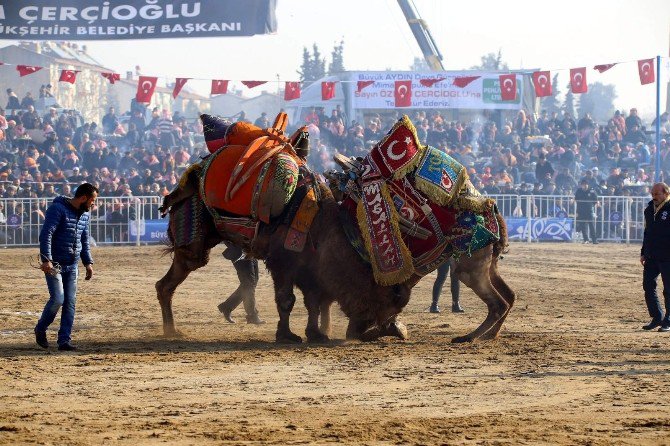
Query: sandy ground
{"points": [[571, 366]]}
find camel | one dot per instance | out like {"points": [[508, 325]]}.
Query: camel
{"points": [[328, 270]]}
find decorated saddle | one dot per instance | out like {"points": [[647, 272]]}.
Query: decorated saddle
{"points": [[413, 207], [250, 178]]}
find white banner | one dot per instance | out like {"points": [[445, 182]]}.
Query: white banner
{"points": [[482, 93]]}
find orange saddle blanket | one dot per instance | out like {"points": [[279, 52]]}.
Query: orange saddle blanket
{"points": [[254, 181]]}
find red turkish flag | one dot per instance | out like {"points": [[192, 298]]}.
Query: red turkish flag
{"points": [[542, 82], [508, 87], [291, 91], [219, 86], [646, 69], [68, 76], [360, 85], [604, 67], [178, 85], [403, 93], [431, 82], [25, 70], [252, 84], [111, 77], [578, 80], [145, 88], [327, 90], [464, 81]]}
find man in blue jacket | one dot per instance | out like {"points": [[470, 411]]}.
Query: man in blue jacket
{"points": [[63, 240], [655, 256]]}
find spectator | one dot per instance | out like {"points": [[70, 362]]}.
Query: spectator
{"points": [[13, 100]]}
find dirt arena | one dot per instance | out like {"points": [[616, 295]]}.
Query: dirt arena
{"points": [[571, 366]]}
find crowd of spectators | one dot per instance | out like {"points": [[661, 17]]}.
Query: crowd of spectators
{"points": [[142, 154]]}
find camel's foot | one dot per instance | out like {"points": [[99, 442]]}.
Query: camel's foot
{"points": [[287, 337], [370, 334], [316, 336], [397, 329], [172, 333], [462, 339]]}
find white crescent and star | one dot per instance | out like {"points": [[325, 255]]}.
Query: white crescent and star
{"points": [[646, 68], [506, 82], [578, 78], [146, 88], [542, 79], [402, 90]]}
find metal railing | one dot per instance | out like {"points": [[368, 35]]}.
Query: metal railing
{"points": [[127, 220], [114, 220]]}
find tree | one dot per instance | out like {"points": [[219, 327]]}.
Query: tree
{"points": [[599, 101], [337, 59], [492, 62], [551, 103], [313, 65], [569, 105]]}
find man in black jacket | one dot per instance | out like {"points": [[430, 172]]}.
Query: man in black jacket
{"points": [[587, 200], [247, 273], [655, 256]]}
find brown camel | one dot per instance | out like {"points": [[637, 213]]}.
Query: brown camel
{"points": [[327, 270]]}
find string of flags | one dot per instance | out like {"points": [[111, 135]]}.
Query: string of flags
{"points": [[541, 80]]}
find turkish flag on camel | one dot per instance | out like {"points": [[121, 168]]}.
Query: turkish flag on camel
{"points": [[508, 87], [145, 89], [219, 86], [68, 76], [646, 69], [291, 91], [327, 90], [403, 93], [578, 80], [178, 85], [111, 77], [25, 70], [542, 82]]}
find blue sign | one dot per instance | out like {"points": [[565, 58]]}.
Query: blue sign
{"points": [[151, 231], [548, 229]]}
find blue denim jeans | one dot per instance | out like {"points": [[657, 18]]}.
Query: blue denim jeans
{"points": [[63, 293], [652, 268]]}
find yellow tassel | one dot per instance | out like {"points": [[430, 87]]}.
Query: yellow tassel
{"points": [[403, 274]]}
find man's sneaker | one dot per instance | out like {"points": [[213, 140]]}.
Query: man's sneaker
{"points": [[434, 308], [41, 339], [664, 328], [651, 325], [67, 347], [226, 312], [255, 319], [456, 308]]}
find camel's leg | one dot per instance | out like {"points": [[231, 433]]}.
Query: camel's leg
{"points": [[325, 317], [507, 294], [285, 299], [313, 306], [474, 272], [182, 265]]}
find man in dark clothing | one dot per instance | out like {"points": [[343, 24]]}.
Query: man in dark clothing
{"points": [[64, 239], [247, 272], [655, 256], [587, 200], [442, 272]]}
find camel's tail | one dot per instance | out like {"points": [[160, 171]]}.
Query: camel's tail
{"points": [[501, 246]]}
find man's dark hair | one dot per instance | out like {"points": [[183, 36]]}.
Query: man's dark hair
{"points": [[85, 189]]}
